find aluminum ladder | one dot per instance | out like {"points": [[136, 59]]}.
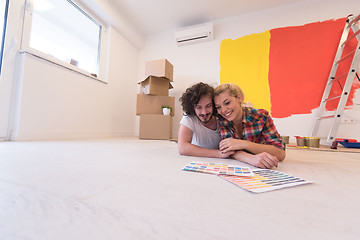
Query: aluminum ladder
{"points": [[351, 23]]}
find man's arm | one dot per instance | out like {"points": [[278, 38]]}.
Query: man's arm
{"points": [[186, 148]]}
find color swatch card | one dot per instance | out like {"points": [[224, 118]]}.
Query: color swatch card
{"points": [[265, 180], [218, 168]]}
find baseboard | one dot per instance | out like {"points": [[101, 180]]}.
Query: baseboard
{"points": [[63, 135]]}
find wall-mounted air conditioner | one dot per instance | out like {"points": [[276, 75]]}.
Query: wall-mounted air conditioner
{"points": [[194, 34]]}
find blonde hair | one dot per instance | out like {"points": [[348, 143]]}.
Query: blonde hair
{"points": [[233, 90]]}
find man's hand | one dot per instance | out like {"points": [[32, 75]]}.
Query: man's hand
{"points": [[226, 155]]}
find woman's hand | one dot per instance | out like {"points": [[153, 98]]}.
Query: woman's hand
{"points": [[231, 144], [263, 160]]}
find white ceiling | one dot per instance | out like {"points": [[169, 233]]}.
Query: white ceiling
{"points": [[153, 16]]}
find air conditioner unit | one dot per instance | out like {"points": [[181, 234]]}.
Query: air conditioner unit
{"points": [[194, 34]]}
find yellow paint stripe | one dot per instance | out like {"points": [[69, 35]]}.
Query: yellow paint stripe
{"points": [[245, 62]]}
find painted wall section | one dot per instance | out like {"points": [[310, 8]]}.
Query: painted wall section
{"points": [[285, 70], [200, 62], [245, 62], [300, 62]]}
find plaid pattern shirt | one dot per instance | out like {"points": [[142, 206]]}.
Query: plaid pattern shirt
{"points": [[257, 126]]}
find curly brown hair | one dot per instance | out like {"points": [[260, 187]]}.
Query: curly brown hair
{"points": [[192, 96]]}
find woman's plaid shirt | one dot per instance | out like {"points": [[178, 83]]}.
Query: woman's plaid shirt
{"points": [[257, 127]]}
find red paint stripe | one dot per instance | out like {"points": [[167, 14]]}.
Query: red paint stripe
{"points": [[299, 65]]}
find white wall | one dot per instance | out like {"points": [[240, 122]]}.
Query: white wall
{"points": [[56, 103], [51, 102], [11, 45], [200, 62]]}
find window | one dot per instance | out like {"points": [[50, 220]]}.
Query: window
{"points": [[61, 30], [3, 19]]}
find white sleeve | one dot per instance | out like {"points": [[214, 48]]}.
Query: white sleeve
{"points": [[187, 122]]}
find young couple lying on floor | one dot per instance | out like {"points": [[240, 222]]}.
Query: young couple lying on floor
{"points": [[216, 124]]}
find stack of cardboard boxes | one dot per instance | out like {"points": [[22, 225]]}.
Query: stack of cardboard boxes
{"points": [[154, 94]]}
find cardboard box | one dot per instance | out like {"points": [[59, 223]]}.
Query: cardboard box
{"points": [[155, 86], [150, 104], [155, 126], [159, 68]]}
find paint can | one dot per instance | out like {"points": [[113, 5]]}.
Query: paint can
{"points": [[312, 142], [300, 141], [285, 139]]}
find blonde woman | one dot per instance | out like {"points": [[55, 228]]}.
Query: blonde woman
{"points": [[250, 132]]}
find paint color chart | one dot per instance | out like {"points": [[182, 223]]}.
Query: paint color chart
{"points": [[216, 168], [265, 180]]}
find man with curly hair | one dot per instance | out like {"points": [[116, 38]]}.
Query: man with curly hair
{"points": [[199, 132]]}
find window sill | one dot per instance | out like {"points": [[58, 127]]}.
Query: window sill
{"points": [[62, 64]]}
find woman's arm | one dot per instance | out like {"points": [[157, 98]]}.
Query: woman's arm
{"points": [[186, 148], [257, 148], [232, 144], [261, 160]]}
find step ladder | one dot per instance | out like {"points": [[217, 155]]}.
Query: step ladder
{"points": [[351, 23]]}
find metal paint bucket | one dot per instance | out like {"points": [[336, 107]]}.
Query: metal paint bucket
{"points": [[300, 141], [312, 142], [285, 139]]}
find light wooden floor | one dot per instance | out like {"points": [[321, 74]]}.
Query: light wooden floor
{"points": [[127, 188]]}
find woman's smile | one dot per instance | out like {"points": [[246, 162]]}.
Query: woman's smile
{"points": [[228, 106]]}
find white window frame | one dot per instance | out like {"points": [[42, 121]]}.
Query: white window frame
{"points": [[103, 48]]}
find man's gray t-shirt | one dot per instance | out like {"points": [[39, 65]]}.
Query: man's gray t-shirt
{"points": [[202, 136]]}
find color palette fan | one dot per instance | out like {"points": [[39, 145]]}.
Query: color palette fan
{"points": [[265, 180], [216, 168]]}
